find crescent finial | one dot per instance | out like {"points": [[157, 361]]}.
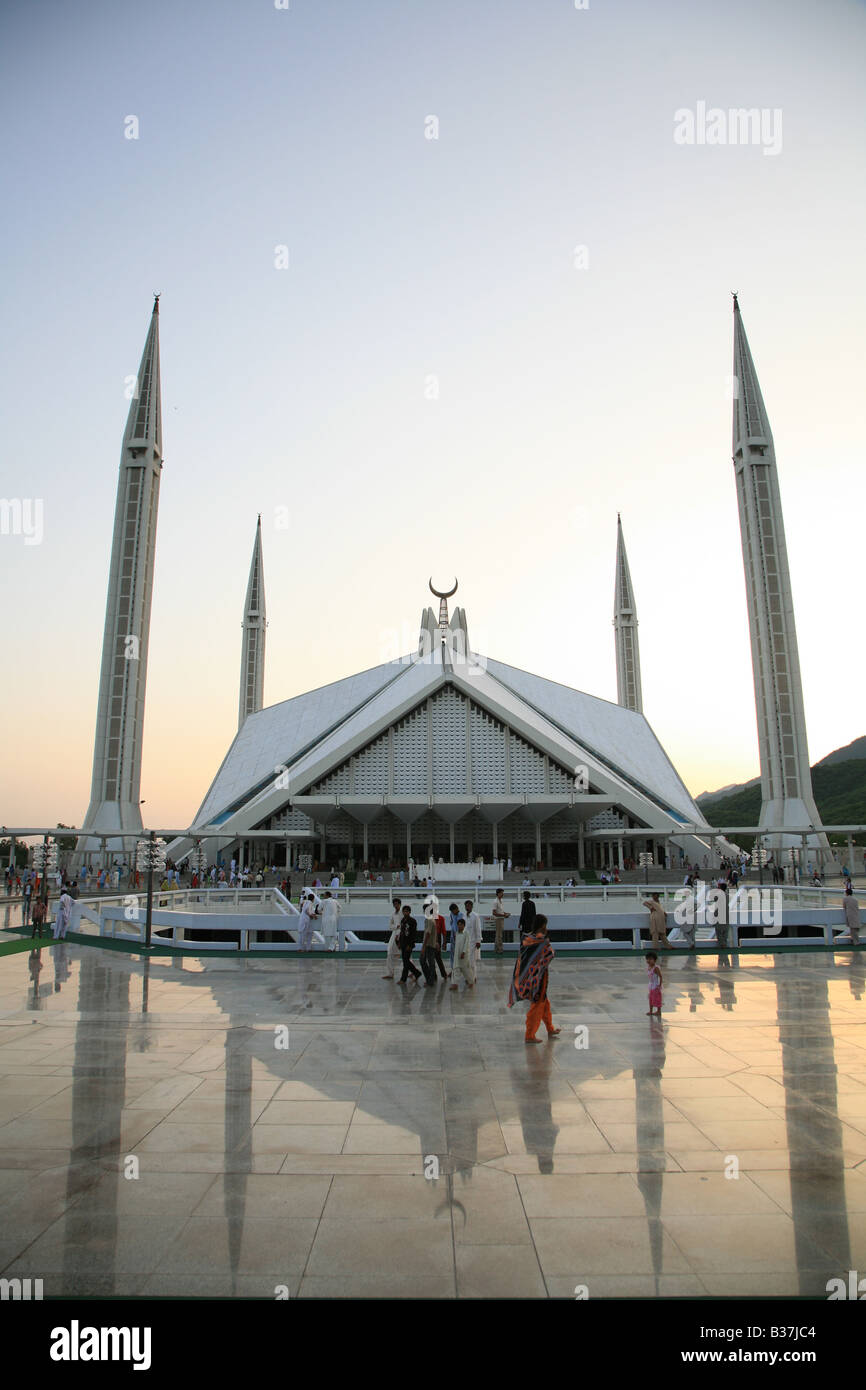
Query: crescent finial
{"points": [[438, 592]]}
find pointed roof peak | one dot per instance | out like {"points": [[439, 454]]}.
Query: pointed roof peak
{"points": [[751, 425], [255, 601], [624, 604], [144, 421]]}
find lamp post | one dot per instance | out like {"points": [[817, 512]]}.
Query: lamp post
{"points": [[150, 855], [45, 860], [645, 859]]}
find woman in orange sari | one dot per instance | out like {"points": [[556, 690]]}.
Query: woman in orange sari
{"points": [[530, 980]]}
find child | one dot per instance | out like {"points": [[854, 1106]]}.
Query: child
{"points": [[463, 962], [655, 984]]}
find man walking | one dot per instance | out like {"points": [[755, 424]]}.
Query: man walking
{"points": [[61, 916], [499, 916], [393, 949], [405, 941], [473, 931], [658, 920], [530, 980], [430, 941]]}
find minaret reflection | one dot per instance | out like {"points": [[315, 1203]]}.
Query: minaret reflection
{"points": [[814, 1130], [98, 1093], [238, 1139], [650, 1135]]}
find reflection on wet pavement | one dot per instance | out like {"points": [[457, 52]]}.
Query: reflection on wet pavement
{"points": [[227, 1128]]}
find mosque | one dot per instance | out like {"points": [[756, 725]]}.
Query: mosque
{"points": [[447, 754]]}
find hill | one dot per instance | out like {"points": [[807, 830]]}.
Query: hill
{"points": [[851, 752], [840, 795]]}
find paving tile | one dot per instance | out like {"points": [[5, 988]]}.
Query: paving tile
{"points": [[498, 1271], [262, 1170]]}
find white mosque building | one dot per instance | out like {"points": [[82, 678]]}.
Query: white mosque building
{"points": [[447, 754]]}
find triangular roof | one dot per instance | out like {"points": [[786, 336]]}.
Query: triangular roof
{"points": [[284, 751]]}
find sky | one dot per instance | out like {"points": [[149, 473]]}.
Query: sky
{"points": [[505, 317]]}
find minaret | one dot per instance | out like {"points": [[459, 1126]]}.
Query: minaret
{"points": [[115, 792], [786, 780], [628, 689], [253, 646]]}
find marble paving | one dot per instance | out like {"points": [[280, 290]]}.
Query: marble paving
{"points": [[235, 1128]]}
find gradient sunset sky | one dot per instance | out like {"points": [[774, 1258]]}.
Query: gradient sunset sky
{"points": [[441, 382]]}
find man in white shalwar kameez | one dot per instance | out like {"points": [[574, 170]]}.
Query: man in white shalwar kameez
{"points": [[308, 917], [330, 921], [393, 950], [62, 915], [464, 956], [473, 927], [851, 909]]}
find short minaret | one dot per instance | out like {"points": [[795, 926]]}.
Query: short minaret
{"points": [[786, 780], [252, 695], [628, 688], [115, 792]]}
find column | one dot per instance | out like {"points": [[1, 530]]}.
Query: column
{"points": [[619, 862], [495, 839], [408, 843], [451, 843], [366, 849], [537, 845]]}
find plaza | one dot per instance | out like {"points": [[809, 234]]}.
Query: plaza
{"points": [[259, 1128]]}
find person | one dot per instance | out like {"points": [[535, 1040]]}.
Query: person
{"points": [[463, 956], [722, 912], [658, 920], [38, 916], [61, 916], [851, 909], [27, 896], [440, 942], [499, 916], [335, 879], [530, 980], [453, 928], [430, 941], [527, 915], [308, 917], [473, 926], [654, 977], [330, 921], [394, 926], [406, 940]]}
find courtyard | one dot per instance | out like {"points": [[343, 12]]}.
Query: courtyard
{"points": [[215, 1127]]}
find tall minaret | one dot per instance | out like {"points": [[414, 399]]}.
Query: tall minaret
{"points": [[786, 781], [252, 694], [115, 793], [628, 690]]}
